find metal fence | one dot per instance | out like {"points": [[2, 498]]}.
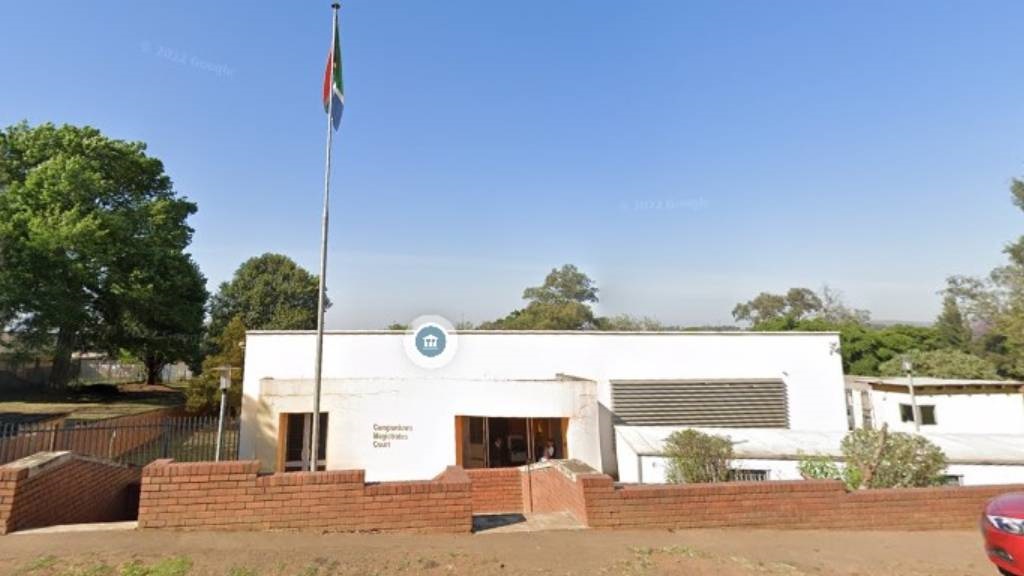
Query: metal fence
{"points": [[185, 439]]}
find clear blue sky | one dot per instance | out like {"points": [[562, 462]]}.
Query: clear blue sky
{"points": [[686, 155]]}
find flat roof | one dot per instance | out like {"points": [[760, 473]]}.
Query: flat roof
{"points": [[929, 381], [544, 332], [781, 444]]}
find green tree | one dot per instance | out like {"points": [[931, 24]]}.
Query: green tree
{"points": [[162, 314], [627, 323], [695, 457], [863, 347], [945, 363], [994, 305], [795, 305], [562, 302], [269, 292], [202, 395], [951, 327], [82, 219]]}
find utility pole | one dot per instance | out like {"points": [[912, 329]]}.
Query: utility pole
{"points": [[908, 369], [225, 384]]}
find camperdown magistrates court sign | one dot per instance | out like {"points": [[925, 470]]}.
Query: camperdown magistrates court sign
{"points": [[385, 434]]}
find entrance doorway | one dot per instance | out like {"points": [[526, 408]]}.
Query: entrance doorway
{"points": [[497, 442], [294, 437]]}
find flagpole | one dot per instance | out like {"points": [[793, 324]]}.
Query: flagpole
{"points": [[314, 444]]}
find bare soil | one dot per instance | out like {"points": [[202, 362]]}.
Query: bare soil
{"points": [[564, 553]]}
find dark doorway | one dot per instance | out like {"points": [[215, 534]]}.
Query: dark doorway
{"points": [[498, 442]]}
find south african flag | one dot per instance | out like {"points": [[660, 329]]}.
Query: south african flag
{"points": [[334, 90]]}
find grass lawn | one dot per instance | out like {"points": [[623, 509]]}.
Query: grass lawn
{"points": [[90, 402]]}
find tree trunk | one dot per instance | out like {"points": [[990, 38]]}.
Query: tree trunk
{"points": [[154, 366], [60, 372], [868, 474]]}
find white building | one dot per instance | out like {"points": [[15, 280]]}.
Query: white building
{"points": [[946, 406], [384, 412], [766, 454]]}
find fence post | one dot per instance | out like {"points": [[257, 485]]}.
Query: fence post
{"points": [[167, 438]]}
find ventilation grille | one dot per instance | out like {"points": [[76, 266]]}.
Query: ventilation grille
{"points": [[701, 403]]}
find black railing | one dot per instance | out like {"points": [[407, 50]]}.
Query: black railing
{"points": [[185, 439]]}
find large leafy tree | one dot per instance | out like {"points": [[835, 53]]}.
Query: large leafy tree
{"points": [[795, 304], [562, 302], [268, 292], [87, 226], [993, 306]]}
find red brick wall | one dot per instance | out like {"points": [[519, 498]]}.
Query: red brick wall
{"points": [[231, 496], [548, 489], [797, 504], [59, 488], [496, 490]]}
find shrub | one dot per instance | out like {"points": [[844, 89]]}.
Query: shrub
{"points": [[819, 467], [695, 457], [880, 459]]}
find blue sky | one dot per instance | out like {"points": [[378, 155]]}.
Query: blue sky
{"points": [[684, 154]]}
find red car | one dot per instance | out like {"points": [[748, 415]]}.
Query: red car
{"points": [[1003, 528]]}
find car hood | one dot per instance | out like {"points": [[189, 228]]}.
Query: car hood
{"points": [[1010, 505]]}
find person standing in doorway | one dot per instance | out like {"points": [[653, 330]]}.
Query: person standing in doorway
{"points": [[497, 453], [548, 453]]}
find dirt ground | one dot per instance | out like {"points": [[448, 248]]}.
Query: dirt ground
{"points": [[563, 553]]}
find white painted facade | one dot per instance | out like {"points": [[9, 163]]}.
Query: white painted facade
{"points": [[368, 379], [960, 406], [973, 459]]}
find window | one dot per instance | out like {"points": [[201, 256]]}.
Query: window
{"points": [[906, 413], [296, 433], [951, 480], [737, 475], [927, 414]]}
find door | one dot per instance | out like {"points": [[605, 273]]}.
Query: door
{"points": [[474, 442], [298, 430]]}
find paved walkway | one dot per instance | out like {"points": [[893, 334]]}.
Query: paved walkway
{"points": [[505, 523]]}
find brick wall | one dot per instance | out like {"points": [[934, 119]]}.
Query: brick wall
{"points": [[232, 496], [53, 488], [548, 489], [496, 490], [599, 503]]}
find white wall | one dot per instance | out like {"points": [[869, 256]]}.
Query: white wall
{"points": [[954, 413], [980, 475], [655, 469], [428, 406], [809, 364]]}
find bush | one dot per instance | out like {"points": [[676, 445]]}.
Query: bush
{"points": [[695, 457], [880, 459], [819, 467]]}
